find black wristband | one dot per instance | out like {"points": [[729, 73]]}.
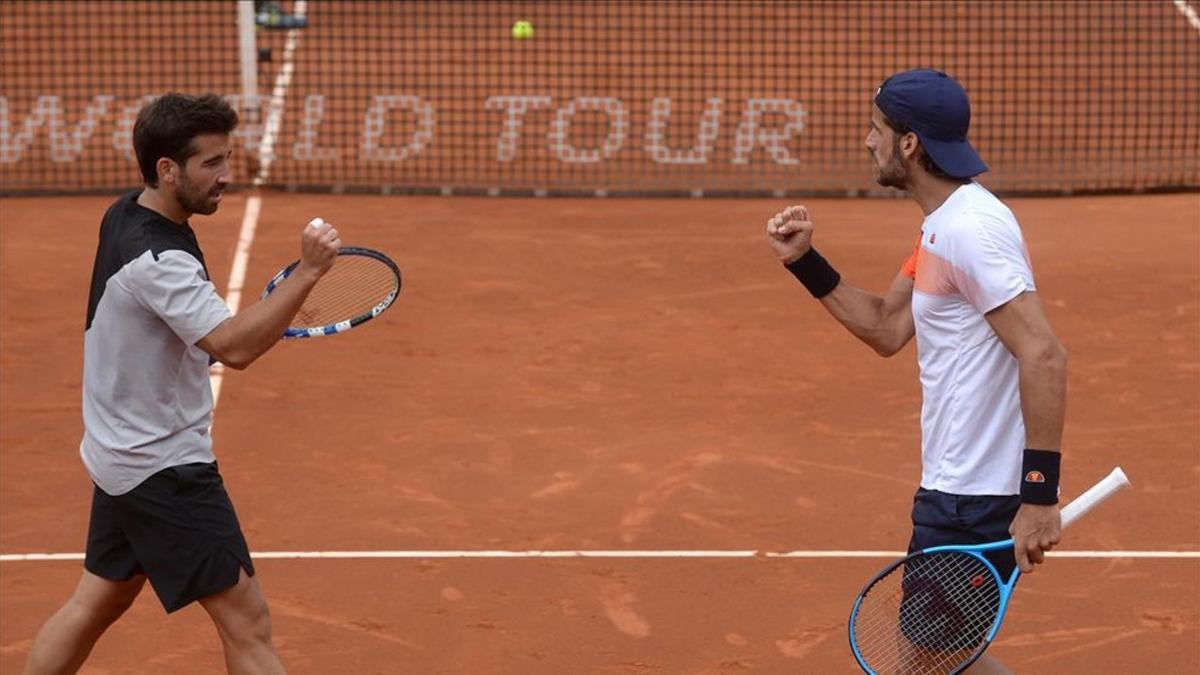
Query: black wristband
{"points": [[817, 275], [1039, 477]]}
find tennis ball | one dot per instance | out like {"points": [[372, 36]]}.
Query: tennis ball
{"points": [[522, 30]]}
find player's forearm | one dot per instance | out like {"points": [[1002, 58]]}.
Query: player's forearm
{"points": [[1043, 383], [866, 316], [243, 338], [884, 323]]}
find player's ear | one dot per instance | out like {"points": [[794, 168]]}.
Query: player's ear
{"points": [[909, 144], [168, 170]]}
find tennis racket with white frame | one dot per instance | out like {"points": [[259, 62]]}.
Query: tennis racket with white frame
{"points": [[937, 610]]}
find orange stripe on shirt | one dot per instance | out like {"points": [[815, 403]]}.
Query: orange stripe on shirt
{"points": [[935, 275], [909, 269]]}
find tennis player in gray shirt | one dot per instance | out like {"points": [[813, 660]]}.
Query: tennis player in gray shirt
{"points": [[154, 324]]}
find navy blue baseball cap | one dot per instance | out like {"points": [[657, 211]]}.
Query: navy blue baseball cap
{"points": [[935, 107]]}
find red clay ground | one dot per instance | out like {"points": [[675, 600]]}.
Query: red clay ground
{"points": [[622, 374]]}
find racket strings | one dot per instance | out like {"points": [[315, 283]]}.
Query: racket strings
{"points": [[351, 288], [929, 615]]}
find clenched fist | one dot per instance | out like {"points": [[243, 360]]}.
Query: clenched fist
{"points": [[789, 233]]}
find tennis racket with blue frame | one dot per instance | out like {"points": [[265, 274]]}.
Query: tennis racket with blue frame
{"points": [[361, 284], [937, 610]]}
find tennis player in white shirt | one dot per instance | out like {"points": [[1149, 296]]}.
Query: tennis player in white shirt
{"points": [[993, 374]]}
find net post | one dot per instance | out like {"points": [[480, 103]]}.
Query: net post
{"points": [[248, 57]]}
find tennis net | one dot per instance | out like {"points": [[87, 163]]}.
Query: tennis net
{"points": [[700, 97]]}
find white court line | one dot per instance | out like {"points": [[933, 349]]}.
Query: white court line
{"points": [[685, 554], [1186, 10], [237, 278], [283, 81], [255, 203], [241, 258]]}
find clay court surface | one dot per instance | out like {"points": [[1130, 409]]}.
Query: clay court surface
{"points": [[581, 375]]}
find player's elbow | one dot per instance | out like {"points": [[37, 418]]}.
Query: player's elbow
{"points": [[1059, 358], [230, 358], [889, 345], [1054, 354], [221, 345], [235, 363], [239, 357], [887, 350], [889, 335], [1050, 356]]}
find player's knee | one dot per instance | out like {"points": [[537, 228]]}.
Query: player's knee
{"points": [[259, 619], [254, 628], [250, 623], [104, 608]]}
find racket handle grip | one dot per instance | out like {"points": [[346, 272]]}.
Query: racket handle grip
{"points": [[1096, 494]]}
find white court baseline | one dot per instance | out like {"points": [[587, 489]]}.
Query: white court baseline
{"points": [[676, 554]]}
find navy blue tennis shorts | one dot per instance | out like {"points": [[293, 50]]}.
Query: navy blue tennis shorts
{"points": [[934, 611], [177, 527], [943, 519]]}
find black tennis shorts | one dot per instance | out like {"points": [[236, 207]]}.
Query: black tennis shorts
{"points": [[177, 527]]}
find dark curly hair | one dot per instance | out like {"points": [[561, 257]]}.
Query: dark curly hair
{"points": [[167, 125]]}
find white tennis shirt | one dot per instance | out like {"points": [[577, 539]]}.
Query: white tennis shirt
{"points": [[971, 259]]}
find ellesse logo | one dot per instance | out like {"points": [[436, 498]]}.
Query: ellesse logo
{"points": [[1035, 477]]}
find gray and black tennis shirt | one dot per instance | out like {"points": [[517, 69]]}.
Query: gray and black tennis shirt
{"points": [[147, 401]]}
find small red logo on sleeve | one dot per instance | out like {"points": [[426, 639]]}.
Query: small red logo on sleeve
{"points": [[933, 238], [1035, 477]]}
